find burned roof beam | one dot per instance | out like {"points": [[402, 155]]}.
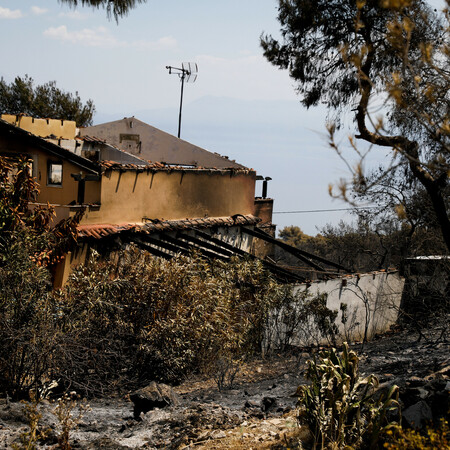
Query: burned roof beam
{"points": [[300, 254], [205, 244], [282, 273], [161, 243], [190, 247], [150, 249], [265, 237], [220, 243]]}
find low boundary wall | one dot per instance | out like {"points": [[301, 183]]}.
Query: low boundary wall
{"points": [[372, 303]]}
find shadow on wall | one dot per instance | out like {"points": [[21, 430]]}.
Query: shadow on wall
{"points": [[350, 308]]}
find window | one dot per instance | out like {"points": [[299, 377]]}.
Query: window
{"points": [[54, 173]]}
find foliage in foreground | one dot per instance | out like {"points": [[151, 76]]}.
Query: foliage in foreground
{"points": [[407, 439], [341, 409], [28, 247], [155, 319], [128, 319]]}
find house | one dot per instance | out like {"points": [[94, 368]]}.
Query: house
{"points": [[162, 207], [52, 165], [151, 144]]}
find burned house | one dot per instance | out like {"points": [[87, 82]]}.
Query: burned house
{"points": [[162, 207], [168, 208]]}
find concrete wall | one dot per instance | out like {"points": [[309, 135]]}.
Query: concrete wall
{"points": [[64, 129], [372, 300], [131, 196]]}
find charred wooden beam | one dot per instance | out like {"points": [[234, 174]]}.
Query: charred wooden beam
{"points": [[161, 243], [149, 248], [205, 244], [281, 273], [300, 254], [190, 247], [220, 243]]}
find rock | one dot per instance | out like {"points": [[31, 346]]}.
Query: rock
{"points": [[153, 396], [268, 403], [418, 415], [105, 444], [251, 404], [218, 434], [411, 396], [276, 422]]}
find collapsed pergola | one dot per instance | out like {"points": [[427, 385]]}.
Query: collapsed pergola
{"points": [[166, 239]]}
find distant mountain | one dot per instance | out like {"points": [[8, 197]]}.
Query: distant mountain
{"points": [[224, 125]]}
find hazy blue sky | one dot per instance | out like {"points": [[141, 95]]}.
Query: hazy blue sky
{"points": [[240, 105]]}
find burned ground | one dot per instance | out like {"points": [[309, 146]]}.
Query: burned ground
{"points": [[258, 411]]}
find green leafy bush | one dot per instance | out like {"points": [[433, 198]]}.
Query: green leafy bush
{"points": [[340, 408], [140, 318], [28, 248]]}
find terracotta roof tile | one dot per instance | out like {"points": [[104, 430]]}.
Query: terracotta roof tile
{"points": [[149, 165], [102, 230], [91, 139]]}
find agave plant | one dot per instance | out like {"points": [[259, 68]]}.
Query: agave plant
{"points": [[341, 408]]}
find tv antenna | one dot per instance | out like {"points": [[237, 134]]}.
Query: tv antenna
{"points": [[187, 72]]}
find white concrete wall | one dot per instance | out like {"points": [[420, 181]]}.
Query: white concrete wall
{"points": [[373, 301]]}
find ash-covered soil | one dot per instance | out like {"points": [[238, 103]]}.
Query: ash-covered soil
{"points": [[258, 412]]}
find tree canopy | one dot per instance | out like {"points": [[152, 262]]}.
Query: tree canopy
{"points": [[343, 53], [116, 8], [22, 96]]}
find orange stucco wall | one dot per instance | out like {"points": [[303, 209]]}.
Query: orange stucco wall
{"points": [[129, 197]]}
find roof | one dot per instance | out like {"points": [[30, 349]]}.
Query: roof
{"points": [[153, 166], [48, 147], [99, 231], [156, 145], [92, 139], [157, 237]]}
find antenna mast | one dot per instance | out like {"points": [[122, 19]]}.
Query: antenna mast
{"points": [[188, 73]]}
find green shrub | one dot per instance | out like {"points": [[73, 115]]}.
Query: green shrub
{"points": [[340, 408], [143, 318], [27, 335], [28, 248]]}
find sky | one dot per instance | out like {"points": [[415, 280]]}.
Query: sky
{"points": [[240, 105]]}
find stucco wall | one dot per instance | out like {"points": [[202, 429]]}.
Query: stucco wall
{"points": [[130, 196], [57, 195], [64, 129], [372, 300]]}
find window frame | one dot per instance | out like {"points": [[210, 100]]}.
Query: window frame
{"points": [[51, 163]]}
